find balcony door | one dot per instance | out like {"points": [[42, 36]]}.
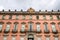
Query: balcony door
{"points": [[30, 26], [30, 37]]}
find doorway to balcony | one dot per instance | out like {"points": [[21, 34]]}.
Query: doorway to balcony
{"points": [[30, 37]]}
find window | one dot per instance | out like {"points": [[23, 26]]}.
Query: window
{"points": [[22, 38], [30, 16], [39, 38], [3, 16], [23, 27], [38, 27], [53, 28], [30, 26], [51, 17], [0, 26], [5, 38], [44, 17], [23, 17], [47, 38], [59, 25], [56, 38], [13, 38], [45, 27], [15, 26], [37, 17], [10, 16], [58, 17], [8, 27], [17, 16]]}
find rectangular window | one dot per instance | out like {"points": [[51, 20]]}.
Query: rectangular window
{"points": [[30, 16], [10, 16], [13, 38], [58, 17], [17, 16], [51, 17], [3, 16], [30, 27], [5, 38], [22, 38], [37, 17], [59, 25], [23, 27], [8, 27], [47, 38], [0, 26], [44, 17], [38, 27], [39, 38], [56, 38], [53, 28], [23, 17]]}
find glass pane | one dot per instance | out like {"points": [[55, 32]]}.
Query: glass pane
{"points": [[23, 17], [13, 38], [56, 38], [5, 38], [30, 26], [53, 27], [23, 27], [38, 27], [47, 38], [17, 16], [7, 27], [0, 26], [30, 16], [39, 38], [45, 27], [21, 38], [15, 26]]}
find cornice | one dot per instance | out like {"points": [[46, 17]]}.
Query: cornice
{"points": [[30, 11]]}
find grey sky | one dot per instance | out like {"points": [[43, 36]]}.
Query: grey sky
{"points": [[25, 4]]}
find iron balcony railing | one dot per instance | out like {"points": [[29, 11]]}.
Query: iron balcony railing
{"points": [[0, 30], [35, 31], [6, 31], [46, 31], [55, 31], [14, 31]]}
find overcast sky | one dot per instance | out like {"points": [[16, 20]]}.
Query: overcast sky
{"points": [[25, 4]]}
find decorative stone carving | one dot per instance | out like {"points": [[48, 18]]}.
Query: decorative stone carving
{"points": [[31, 10]]}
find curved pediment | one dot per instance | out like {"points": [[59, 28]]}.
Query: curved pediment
{"points": [[30, 10]]}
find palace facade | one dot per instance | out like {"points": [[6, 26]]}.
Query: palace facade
{"points": [[30, 25]]}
